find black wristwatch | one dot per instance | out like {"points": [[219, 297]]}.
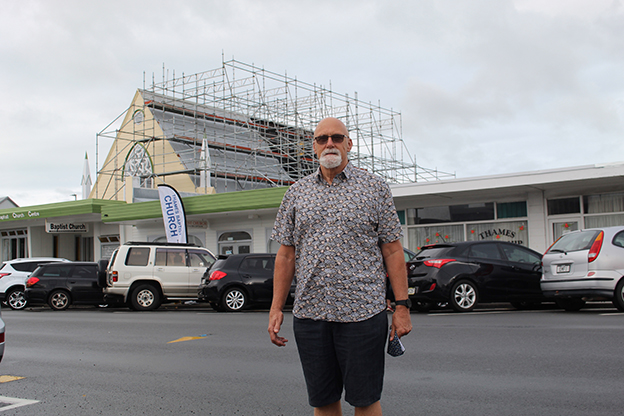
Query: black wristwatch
{"points": [[407, 303]]}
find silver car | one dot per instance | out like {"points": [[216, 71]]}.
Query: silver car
{"points": [[585, 265]]}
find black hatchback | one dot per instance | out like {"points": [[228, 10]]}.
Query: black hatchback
{"points": [[236, 281], [63, 284], [464, 274]]}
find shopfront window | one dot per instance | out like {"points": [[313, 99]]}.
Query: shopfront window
{"points": [[563, 227], [564, 206], [511, 231], [599, 221], [469, 223], [610, 205], [422, 236], [14, 244], [600, 204], [511, 209], [451, 213]]}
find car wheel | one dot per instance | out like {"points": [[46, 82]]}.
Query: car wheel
{"points": [[145, 298], [16, 300], [233, 300], [422, 306], [618, 296], [464, 296], [570, 304], [59, 300]]}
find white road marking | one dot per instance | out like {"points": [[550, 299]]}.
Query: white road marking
{"points": [[14, 403]]}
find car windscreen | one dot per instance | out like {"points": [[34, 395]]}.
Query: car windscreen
{"points": [[581, 240]]}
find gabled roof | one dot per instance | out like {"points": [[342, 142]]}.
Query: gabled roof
{"points": [[238, 145], [7, 202]]}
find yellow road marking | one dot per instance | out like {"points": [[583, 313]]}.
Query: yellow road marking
{"points": [[6, 379], [187, 339]]}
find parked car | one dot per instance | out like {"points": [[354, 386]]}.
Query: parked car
{"points": [[144, 275], [13, 275], [1, 335], [585, 265], [239, 280], [471, 272], [63, 284]]}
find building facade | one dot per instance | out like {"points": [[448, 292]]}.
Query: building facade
{"points": [[531, 208]]}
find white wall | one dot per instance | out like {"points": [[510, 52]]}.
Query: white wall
{"points": [[536, 210]]}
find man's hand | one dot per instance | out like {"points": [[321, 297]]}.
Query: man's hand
{"points": [[401, 322], [282, 278], [276, 317]]}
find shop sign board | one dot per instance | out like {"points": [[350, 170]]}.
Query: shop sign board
{"points": [[54, 227]]}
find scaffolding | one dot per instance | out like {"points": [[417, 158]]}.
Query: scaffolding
{"points": [[242, 127]]}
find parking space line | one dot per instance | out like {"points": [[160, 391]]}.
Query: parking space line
{"points": [[7, 403]]}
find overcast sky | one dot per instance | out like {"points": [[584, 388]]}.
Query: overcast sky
{"points": [[484, 86]]}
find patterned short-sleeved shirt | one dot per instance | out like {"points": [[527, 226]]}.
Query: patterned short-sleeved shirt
{"points": [[337, 230]]}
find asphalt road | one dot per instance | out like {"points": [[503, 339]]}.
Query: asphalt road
{"points": [[496, 361]]}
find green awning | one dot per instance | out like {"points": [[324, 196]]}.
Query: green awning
{"points": [[57, 209], [202, 204], [118, 211]]}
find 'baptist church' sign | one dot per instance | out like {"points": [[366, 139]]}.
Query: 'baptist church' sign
{"points": [[65, 227]]}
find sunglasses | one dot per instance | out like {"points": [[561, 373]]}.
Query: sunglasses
{"points": [[336, 138]]}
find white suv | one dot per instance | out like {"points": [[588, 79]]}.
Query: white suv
{"points": [[144, 275], [13, 275]]}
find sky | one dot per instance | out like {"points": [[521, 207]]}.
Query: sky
{"points": [[484, 87]]}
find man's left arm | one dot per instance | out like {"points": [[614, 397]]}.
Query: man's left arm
{"points": [[397, 273]]}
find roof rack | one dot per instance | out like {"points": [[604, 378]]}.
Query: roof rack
{"points": [[156, 243]]}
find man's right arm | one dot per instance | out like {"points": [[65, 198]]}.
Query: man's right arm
{"points": [[282, 279]]}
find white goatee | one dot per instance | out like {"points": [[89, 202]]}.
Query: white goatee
{"points": [[330, 158]]}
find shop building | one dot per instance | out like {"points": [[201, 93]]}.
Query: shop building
{"points": [[530, 208]]}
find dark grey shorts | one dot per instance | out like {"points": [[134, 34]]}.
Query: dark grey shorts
{"points": [[336, 355]]}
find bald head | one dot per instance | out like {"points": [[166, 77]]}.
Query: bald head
{"points": [[329, 126]]}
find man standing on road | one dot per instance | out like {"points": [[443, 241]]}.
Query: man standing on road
{"points": [[339, 235]]}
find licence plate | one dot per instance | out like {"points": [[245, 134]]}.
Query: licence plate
{"points": [[412, 290], [563, 268]]}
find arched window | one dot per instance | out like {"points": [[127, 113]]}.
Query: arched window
{"points": [[234, 242], [139, 165]]}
